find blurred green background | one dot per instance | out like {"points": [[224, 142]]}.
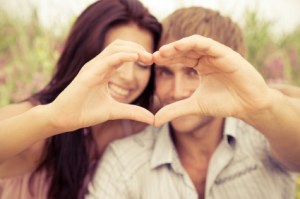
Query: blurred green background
{"points": [[28, 53]]}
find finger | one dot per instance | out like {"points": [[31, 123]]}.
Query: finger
{"points": [[174, 110], [111, 62], [171, 51], [158, 59], [128, 47], [203, 45], [168, 50], [133, 112], [167, 61], [125, 46], [116, 60], [210, 53], [145, 58], [289, 90], [163, 59]]}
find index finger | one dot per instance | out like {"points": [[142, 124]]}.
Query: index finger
{"points": [[198, 43]]}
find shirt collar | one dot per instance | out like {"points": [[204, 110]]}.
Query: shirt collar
{"points": [[229, 131], [164, 151]]}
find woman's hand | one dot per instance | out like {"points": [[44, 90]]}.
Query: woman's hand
{"points": [[86, 101]]}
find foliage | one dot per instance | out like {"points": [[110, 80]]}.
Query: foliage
{"points": [[277, 59], [27, 57]]}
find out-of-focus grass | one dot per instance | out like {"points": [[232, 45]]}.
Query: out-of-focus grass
{"points": [[277, 59], [298, 188], [27, 57], [28, 54]]}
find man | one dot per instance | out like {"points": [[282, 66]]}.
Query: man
{"points": [[202, 154]]}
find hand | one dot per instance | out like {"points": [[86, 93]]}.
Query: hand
{"points": [[288, 90], [86, 101], [230, 86]]}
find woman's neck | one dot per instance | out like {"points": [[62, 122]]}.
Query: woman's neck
{"points": [[107, 132], [103, 134]]}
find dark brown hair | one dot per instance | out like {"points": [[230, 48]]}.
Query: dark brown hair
{"points": [[66, 156]]}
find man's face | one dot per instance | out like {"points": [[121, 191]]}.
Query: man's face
{"points": [[174, 83], [177, 82]]}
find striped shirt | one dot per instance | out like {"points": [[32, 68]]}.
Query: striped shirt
{"points": [[146, 166]]}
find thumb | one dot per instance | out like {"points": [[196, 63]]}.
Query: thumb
{"points": [[133, 112], [174, 110]]}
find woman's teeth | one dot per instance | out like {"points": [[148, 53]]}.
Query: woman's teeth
{"points": [[118, 90]]}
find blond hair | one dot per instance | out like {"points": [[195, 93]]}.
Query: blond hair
{"points": [[206, 22]]}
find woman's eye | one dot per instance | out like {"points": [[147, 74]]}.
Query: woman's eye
{"points": [[142, 65]]}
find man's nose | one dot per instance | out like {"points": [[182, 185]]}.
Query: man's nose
{"points": [[126, 71], [181, 89]]}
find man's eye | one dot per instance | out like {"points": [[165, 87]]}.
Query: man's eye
{"points": [[192, 72], [142, 65], [164, 73]]}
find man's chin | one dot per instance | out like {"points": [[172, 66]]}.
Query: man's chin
{"points": [[185, 124], [190, 123], [186, 118]]}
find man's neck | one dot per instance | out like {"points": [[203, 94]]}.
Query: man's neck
{"points": [[202, 142], [195, 150]]}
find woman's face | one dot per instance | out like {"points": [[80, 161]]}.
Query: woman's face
{"points": [[130, 79]]}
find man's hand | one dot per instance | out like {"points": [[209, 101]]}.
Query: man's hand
{"points": [[230, 86]]}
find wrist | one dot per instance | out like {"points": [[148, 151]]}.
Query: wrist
{"points": [[273, 100], [45, 116]]}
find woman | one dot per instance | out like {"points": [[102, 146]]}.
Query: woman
{"points": [[38, 158]]}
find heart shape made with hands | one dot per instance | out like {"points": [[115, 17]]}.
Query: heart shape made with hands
{"points": [[230, 86]]}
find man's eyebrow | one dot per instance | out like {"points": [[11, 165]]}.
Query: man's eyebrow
{"points": [[162, 67]]}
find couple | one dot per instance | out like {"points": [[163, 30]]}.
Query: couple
{"points": [[50, 143], [205, 151]]}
